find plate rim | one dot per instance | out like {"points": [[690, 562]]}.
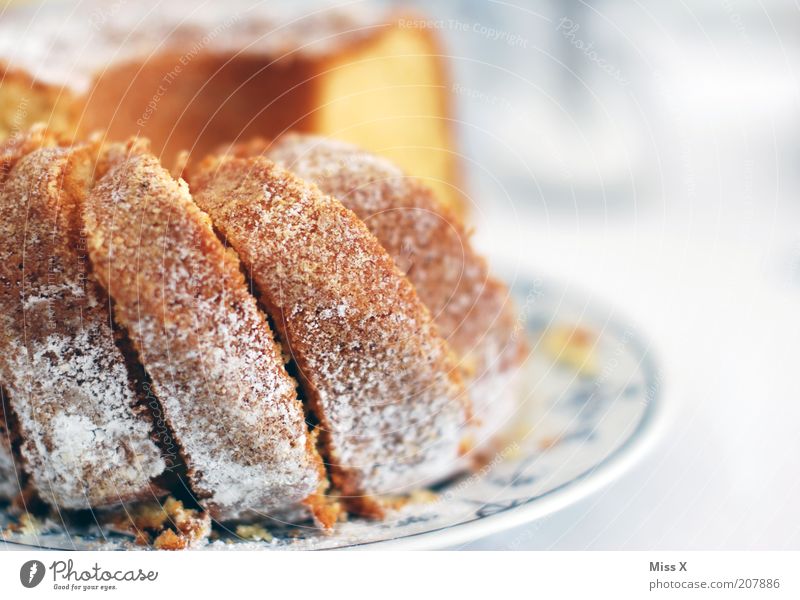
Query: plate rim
{"points": [[641, 440]]}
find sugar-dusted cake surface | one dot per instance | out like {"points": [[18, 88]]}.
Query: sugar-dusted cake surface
{"points": [[138, 313], [430, 244], [383, 384], [209, 351], [85, 440]]}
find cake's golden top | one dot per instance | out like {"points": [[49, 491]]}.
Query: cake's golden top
{"points": [[63, 46], [214, 364], [13, 148], [83, 438], [382, 382], [427, 241]]}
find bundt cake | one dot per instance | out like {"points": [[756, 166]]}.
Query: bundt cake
{"points": [[191, 76], [301, 331], [382, 382], [431, 246], [85, 441], [138, 353], [197, 331]]}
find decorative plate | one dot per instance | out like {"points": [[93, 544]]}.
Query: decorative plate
{"points": [[589, 405]]}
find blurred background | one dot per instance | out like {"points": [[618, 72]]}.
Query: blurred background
{"points": [[646, 154]]}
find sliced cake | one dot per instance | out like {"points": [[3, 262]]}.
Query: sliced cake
{"points": [[190, 77], [383, 384], [209, 351], [430, 244], [84, 441]]}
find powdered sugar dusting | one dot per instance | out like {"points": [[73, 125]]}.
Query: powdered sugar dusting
{"points": [[209, 351], [473, 311], [83, 442], [380, 378]]}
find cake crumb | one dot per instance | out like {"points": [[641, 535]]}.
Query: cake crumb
{"points": [[423, 496], [572, 346], [170, 526], [253, 533], [25, 524]]}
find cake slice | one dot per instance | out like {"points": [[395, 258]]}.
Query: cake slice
{"points": [[383, 384], [430, 244], [190, 78], [207, 348], [84, 441], [11, 150]]}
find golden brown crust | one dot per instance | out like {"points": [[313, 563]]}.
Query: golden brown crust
{"points": [[383, 384], [188, 79], [426, 239], [25, 101], [429, 243], [84, 441], [21, 143], [131, 32], [214, 364]]}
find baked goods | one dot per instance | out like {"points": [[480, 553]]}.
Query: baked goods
{"points": [[137, 356], [209, 351], [430, 244], [164, 526], [84, 440], [190, 78], [383, 384], [167, 332]]}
